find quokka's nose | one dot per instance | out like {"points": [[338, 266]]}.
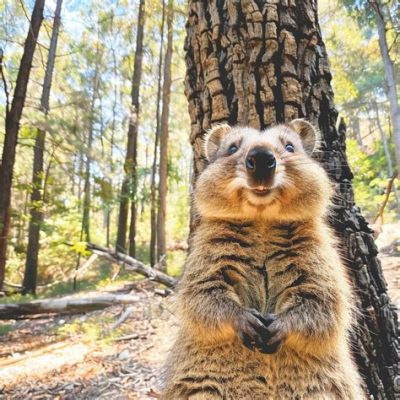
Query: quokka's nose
{"points": [[260, 163]]}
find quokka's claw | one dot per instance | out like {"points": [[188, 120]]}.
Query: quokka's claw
{"points": [[254, 331]]}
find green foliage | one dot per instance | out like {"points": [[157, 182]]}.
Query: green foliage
{"points": [[359, 87], [370, 179]]}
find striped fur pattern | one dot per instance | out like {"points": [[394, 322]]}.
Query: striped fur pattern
{"points": [[264, 302]]}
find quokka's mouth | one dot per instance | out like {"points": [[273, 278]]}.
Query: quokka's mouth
{"points": [[261, 191]]}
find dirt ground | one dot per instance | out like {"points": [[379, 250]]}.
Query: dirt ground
{"points": [[37, 362], [83, 357]]}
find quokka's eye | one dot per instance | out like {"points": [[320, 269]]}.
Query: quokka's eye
{"points": [[290, 148], [232, 149]]}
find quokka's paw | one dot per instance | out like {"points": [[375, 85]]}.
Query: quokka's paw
{"points": [[259, 332]]}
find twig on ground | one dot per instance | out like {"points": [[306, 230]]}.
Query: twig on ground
{"points": [[124, 316], [127, 337]]}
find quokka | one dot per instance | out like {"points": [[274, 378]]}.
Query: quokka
{"points": [[264, 302]]}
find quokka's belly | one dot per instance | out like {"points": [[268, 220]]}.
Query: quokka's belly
{"points": [[230, 371], [306, 377], [225, 371]]}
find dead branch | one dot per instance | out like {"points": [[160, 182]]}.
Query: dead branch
{"points": [[386, 199], [134, 265], [4, 80], [64, 305], [124, 316], [13, 285], [127, 337]]}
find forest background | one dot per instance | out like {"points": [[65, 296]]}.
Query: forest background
{"points": [[87, 178]]}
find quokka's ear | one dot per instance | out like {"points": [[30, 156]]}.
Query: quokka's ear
{"points": [[212, 140], [308, 134]]}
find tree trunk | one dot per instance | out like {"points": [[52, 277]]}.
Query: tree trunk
{"points": [[384, 139], [263, 65], [12, 120], [357, 132], [80, 173], [162, 189], [31, 264], [112, 144], [153, 197], [20, 235], [128, 189], [390, 79], [386, 150], [87, 189]]}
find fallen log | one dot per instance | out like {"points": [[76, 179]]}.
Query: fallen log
{"points": [[71, 305], [64, 305], [134, 265]]}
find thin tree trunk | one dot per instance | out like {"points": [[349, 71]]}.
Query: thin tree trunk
{"points": [[21, 223], [357, 132], [12, 120], [164, 133], [112, 139], [386, 150], [87, 185], [390, 79], [259, 66], [74, 173], [87, 190], [153, 197], [128, 189], [384, 140], [80, 174], [31, 264]]}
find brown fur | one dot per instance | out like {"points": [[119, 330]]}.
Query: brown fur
{"points": [[274, 254]]}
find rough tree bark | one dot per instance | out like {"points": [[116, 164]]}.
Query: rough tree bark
{"points": [[261, 63], [390, 78], [153, 197], [12, 120], [36, 211], [162, 188], [128, 189]]}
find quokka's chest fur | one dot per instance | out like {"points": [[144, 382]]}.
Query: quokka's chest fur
{"points": [[258, 260]]}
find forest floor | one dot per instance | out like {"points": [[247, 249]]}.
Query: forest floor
{"points": [[85, 357]]}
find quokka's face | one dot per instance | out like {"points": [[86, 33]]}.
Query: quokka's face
{"points": [[266, 174]]}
